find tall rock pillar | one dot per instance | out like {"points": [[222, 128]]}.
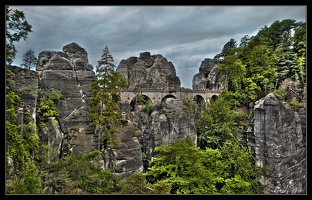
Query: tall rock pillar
{"points": [[69, 72], [277, 141]]}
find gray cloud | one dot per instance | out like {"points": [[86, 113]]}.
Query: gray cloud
{"points": [[185, 35]]}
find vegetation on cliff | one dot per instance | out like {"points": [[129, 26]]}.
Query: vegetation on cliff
{"points": [[104, 112]]}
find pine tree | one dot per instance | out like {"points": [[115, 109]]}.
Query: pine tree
{"points": [[107, 60], [104, 112]]}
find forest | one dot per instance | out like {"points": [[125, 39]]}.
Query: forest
{"points": [[272, 61]]}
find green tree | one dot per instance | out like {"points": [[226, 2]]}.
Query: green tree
{"points": [[283, 45], [179, 164], [106, 60], [229, 169], [15, 143], [218, 123], [16, 28], [299, 46], [47, 106], [21, 139], [278, 32], [80, 173], [299, 38], [283, 51], [244, 41], [229, 47], [241, 174], [104, 111], [136, 183], [30, 183], [261, 71], [232, 71], [29, 59]]}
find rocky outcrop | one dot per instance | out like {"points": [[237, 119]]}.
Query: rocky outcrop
{"points": [[168, 120], [167, 123], [208, 77], [71, 74], [149, 71], [26, 86], [277, 139], [126, 157]]}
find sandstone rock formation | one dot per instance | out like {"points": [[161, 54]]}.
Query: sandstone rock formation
{"points": [[70, 73], [26, 86], [277, 139], [277, 136], [167, 123], [149, 71], [24, 83], [168, 120], [208, 77], [126, 157]]}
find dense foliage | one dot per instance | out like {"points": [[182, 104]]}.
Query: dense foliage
{"points": [[188, 169], [261, 63]]}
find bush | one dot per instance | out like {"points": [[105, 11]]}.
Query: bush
{"points": [[280, 93], [148, 106], [295, 104]]}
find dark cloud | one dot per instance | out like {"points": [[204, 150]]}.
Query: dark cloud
{"points": [[185, 35]]}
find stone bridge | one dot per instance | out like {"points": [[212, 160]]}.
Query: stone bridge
{"points": [[157, 95]]}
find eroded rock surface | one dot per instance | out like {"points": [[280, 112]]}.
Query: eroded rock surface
{"points": [[208, 77], [167, 123], [71, 74], [149, 71], [126, 157], [26, 86], [278, 143]]}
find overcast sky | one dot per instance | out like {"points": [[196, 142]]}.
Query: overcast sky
{"points": [[185, 35]]}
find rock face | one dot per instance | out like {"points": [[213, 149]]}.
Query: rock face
{"points": [[167, 123], [149, 71], [208, 76], [70, 73], [126, 157], [278, 143], [26, 86]]}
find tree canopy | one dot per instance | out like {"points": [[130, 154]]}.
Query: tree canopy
{"points": [[17, 28]]}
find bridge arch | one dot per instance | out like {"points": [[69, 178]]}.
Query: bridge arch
{"points": [[199, 99], [138, 101], [214, 97], [168, 96]]}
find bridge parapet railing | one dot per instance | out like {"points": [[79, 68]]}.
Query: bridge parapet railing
{"points": [[180, 89]]}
